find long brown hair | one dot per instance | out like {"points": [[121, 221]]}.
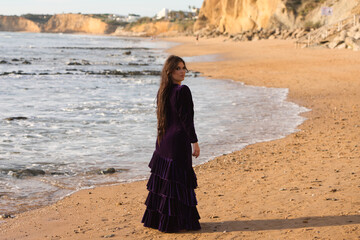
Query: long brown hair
{"points": [[163, 94]]}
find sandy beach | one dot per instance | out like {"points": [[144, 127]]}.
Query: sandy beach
{"points": [[304, 186]]}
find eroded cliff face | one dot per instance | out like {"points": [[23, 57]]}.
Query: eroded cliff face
{"points": [[75, 23], [17, 24], [342, 9], [60, 23], [157, 28], [234, 16]]}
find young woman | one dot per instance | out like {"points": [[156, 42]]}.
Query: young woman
{"points": [[171, 202]]}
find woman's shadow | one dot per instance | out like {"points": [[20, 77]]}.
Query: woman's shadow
{"points": [[278, 224]]}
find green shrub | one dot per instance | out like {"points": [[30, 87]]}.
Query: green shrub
{"points": [[311, 25], [303, 7], [185, 25]]}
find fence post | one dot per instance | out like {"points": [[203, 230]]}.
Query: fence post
{"points": [[354, 20], [308, 43]]}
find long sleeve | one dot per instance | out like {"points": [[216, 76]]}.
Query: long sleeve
{"points": [[186, 112]]}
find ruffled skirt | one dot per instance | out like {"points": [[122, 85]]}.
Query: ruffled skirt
{"points": [[171, 202]]}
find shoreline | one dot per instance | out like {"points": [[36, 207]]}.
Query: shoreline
{"points": [[255, 207], [211, 58], [208, 58]]}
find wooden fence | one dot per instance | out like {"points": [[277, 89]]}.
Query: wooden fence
{"points": [[325, 32]]}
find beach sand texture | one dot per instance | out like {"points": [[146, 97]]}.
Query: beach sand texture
{"points": [[304, 186]]}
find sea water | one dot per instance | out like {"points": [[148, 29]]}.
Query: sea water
{"points": [[72, 106]]}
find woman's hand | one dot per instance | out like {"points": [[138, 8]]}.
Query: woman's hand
{"points": [[196, 150]]}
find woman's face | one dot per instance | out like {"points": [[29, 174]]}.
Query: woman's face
{"points": [[178, 75]]}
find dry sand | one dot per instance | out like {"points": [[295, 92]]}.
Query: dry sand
{"points": [[304, 186]]}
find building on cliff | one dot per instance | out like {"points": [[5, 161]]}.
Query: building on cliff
{"points": [[164, 13], [132, 17]]}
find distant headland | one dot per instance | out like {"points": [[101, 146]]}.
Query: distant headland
{"points": [[332, 24], [173, 22]]}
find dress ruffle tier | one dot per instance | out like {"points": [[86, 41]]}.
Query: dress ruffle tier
{"points": [[171, 202]]}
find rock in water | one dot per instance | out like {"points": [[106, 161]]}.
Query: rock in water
{"points": [[108, 171], [74, 63], [6, 216], [28, 172], [15, 118]]}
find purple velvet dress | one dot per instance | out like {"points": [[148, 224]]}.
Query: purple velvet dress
{"points": [[171, 202]]}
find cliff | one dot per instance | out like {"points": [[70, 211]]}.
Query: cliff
{"points": [[342, 9], [60, 23], [14, 24], [234, 16], [150, 29], [75, 23], [160, 28]]}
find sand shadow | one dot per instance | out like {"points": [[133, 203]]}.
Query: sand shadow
{"points": [[278, 224]]}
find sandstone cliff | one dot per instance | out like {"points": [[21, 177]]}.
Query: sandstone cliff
{"points": [[160, 28], [75, 23], [234, 16], [14, 24], [156, 28]]}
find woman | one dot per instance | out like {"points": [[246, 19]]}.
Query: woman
{"points": [[171, 203]]}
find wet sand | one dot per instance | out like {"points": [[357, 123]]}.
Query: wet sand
{"points": [[304, 186]]}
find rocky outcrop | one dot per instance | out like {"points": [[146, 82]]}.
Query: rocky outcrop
{"points": [[342, 34], [235, 16], [17, 24], [254, 35], [75, 23], [122, 32], [60, 23], [345, 39], [160, 28]]}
